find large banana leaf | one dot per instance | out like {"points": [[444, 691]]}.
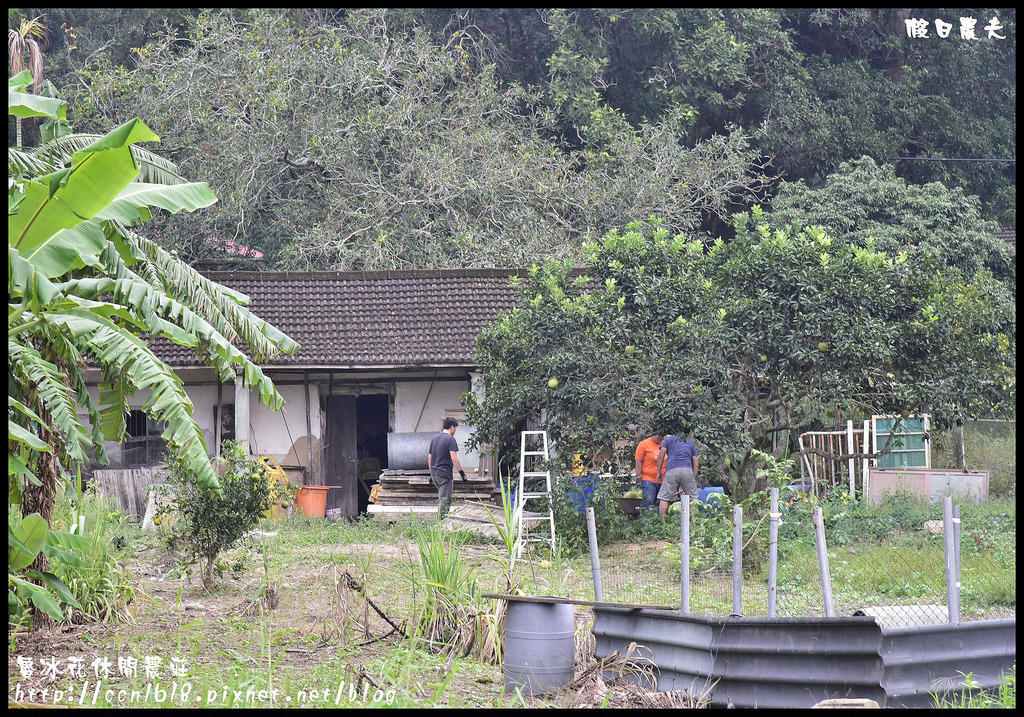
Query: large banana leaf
{"points": [[84, 242], [133, 202], [26, 284], [23, 104], [60, 201], [21, 162], [133, 362], [58, 152], [53, 393], [222, 307], [156, 311], [27, 538]]}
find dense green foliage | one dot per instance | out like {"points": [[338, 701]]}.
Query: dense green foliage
{"points": [[417, 137], [429, 166], [206, 524], [758, 338], [864, 202]]}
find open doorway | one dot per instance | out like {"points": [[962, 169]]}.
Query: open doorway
{"points": [[372, 426]]}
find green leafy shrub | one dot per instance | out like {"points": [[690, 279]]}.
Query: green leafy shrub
{"points": [[206, 523]]}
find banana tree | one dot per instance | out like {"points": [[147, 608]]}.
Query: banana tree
{"points": [[26, 538], [85, 288]]}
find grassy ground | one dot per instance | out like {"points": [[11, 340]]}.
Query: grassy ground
{"points": [[304, 615], [316, 612]]}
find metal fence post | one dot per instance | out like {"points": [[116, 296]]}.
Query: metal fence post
{"points": [[684, 553], [773, 550], [595, 563], [956, 553], [952, 584], [849, 449], [737, 560], [826, 578]]}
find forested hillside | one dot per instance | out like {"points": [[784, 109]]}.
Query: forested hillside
{"points": [[349, 139]]}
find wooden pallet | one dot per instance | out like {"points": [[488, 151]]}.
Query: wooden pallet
{"points": [[412, 487]]}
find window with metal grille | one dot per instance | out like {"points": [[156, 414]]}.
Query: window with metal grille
{"points": [[143, 445]]}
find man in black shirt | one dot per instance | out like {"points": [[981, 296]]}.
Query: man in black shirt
{"points": [[443, 461]]}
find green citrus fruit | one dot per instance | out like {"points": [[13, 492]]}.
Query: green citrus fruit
{"points": [[630, 350], [553, 383], [822, 346]]}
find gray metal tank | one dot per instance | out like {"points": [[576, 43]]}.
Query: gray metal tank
{"points": [[408, 451]]}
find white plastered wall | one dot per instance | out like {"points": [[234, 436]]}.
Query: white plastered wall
{"points": [[281, 434], [425, 403]]}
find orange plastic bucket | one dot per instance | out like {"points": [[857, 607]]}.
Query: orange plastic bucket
{"points": [[312, 500]]}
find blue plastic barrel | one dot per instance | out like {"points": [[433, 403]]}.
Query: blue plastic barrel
{"points": [[709, 505], [703, 493], [580, 489]]}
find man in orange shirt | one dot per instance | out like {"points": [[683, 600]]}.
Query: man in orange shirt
{"points": [[647, 470]]}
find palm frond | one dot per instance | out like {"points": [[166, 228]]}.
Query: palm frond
{"points": [[129, 358], [45, 383], [153, 168]]}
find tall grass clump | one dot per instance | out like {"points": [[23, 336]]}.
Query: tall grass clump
{"points": [[450, 621], [976, 698], [93, 572]]}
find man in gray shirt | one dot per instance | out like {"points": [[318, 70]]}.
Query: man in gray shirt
{"points": [[443, 461], [679, 455]]}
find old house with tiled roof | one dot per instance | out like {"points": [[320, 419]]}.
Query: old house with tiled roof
{"points": [[385, 356]]}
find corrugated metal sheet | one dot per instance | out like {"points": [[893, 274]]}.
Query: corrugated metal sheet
{"points": [[935, 658], [795, 662], [798, 662]]}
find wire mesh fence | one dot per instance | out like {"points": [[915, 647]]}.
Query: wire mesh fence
{"points": [[886, 558]]}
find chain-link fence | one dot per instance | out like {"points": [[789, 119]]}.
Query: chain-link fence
{"points": [[886, 558], [885, 555]]}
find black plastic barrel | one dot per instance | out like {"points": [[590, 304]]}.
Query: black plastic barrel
{"points": [[540, 647]]}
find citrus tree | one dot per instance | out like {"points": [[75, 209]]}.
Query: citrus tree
{"points": [[757, 338], [85, 290]]}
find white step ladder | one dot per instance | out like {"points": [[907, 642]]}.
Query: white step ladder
{"points": [[534, 485]]}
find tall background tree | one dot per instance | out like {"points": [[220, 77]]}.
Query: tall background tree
{"points": [[23, 42], [561, 123]]}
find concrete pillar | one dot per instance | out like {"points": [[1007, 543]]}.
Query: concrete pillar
{"points": [[241, 410]]}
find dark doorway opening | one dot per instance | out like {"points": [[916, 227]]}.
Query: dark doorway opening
{"points": [[372, 426]]}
